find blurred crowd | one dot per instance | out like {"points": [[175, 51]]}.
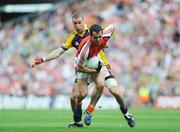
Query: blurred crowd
{"points": [[144, 52]]}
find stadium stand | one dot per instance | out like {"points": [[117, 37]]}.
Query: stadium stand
{"points": [[144, 52]]}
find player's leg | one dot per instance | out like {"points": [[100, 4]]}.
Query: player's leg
{"points": [[73, 96], [82, 87], [111, 84], [124, 109], [80, 94], [116, 93], [95, 96], [97, 92]]}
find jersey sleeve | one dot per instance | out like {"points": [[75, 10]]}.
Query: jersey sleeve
{"points": [[108, 31], [68, 43]]}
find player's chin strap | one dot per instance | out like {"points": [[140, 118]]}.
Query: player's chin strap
{"points": [[110, 81]]}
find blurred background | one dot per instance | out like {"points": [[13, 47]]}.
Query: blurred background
{"points": [[144, 51]]}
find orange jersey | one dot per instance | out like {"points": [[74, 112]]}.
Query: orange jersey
{"points": [[88, 49], [75, 39]]}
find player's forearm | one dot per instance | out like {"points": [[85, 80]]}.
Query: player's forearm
{"points": [[85, 69], [53, 55], [108, 31], [111, 28]]}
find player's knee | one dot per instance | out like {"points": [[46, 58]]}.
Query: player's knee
{"points": [[83, 94], [100, 86], [74, 91], [72, 98], [74, 95], [110, 82], [100, 89]]}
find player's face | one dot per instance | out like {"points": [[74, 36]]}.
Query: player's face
{"points": [[78, 24], [97, 37]]}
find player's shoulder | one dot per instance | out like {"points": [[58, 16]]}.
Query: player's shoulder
{"points": [[85, 39], [69, 40], [82, 43], [71, 35]]}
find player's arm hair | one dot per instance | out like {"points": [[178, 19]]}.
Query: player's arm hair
{"points": [[85, 69], [54, 54]]}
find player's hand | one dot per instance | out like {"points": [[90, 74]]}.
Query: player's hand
{"points": [[99, 67], [37, 61]]}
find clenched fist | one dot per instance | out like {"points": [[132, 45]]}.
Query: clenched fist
{"points": [[37, 61]]}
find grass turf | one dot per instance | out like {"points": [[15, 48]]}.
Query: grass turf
{"points": [[147, 120]]}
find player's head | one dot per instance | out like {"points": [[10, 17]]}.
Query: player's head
{"points": [[96, 33], [77, 19]]}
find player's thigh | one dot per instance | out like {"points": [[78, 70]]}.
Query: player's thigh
{"points": [[74, 92], [98, 80], [82, 87]]}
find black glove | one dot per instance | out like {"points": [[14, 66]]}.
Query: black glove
{"points": [[99, 67]]}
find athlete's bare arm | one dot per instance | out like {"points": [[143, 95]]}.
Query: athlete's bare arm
{"points": [[53, 55]]}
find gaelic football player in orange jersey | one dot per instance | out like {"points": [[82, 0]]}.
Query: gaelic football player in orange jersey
{"points": [[88, 48]]}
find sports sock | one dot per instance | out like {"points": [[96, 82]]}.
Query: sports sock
{"points": [[124, 109], [78, 113], [72, 101], [90, 109], [79, 104]]}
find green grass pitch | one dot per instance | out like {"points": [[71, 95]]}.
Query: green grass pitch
{"points": [[147, 120]]}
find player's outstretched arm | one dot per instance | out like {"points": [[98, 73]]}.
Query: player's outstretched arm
{"points": [[108, 31], [53, 55]]}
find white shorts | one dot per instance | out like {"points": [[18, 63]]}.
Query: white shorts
{"points": [[82, 75], [110, 81], [86, 76]]}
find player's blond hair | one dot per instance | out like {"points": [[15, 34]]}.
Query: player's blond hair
{"points": [[77, 14]]}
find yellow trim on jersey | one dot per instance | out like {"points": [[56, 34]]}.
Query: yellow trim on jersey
{"points": [[69, 40], [103, 57]]}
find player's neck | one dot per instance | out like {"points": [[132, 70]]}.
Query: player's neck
{"points": [[81, 32]]}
